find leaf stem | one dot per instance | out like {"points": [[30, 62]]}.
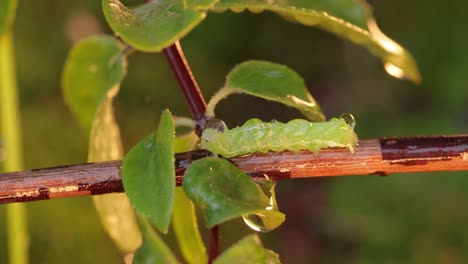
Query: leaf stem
{"points": [[187, 82], [11, 132], [197, 105], [217, 97], [214, 246]]}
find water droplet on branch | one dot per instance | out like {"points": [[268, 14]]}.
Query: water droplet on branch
{"points": [[349, 119], [216, 124]]}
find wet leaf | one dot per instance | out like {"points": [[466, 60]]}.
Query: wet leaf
{"points": [[248, 250], [269, 81], [266, 220], [348, 19], [148, 174], [184, 218], [93, 67], [154, 25], [7, 14], [153, 249], [222, 191]]}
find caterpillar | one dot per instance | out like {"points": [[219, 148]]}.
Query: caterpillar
{"points": [[298, 134]]}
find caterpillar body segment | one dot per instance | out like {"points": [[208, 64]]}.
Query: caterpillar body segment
{"points": [[298, 134]]}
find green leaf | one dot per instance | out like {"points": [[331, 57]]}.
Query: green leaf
{"points": [[186, 142], [153, 249], [269, 81], [114, 210], [271, 257], [154, 25], [184, 222], [248, 250], [148, 174], [7, 14], [89, 92], [93, 68], [200, 4], [222, 191], [105, 143], [184, 218], [266, 220], [348, 19]]}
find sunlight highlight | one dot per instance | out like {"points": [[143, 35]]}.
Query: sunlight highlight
{"points": [[394, 70], [385, 41]]}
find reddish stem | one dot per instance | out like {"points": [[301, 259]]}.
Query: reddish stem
{"points": [[197, 105], [187, 82], [214, 246], [194, 98]]}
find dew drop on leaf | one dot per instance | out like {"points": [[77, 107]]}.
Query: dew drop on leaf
{"points": [[255, 222], [270, 218], [349, 119]]}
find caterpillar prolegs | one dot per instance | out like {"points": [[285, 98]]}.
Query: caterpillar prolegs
{"points": [[298, 134]]}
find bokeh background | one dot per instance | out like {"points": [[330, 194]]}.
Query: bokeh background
{"points": [[404, 218]]}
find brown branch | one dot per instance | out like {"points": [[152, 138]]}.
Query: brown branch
{"points": [[373, 156]]}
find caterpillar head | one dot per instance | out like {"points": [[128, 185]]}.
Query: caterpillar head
{"points": [[210, 133]]}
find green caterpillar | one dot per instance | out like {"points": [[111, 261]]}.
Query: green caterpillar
{"points": [[298, 134]]}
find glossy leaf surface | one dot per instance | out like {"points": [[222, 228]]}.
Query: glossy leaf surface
{"points": [[153, 249], [348, 19], [184, 218], [7, 14], [222, 191], [269, 81], [93, 67], [148, 174], [248, 250], [154, 25]]}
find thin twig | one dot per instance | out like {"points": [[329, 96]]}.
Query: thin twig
{"points": [[373, 156], [197, 105], [187, 82], [214, 245]]}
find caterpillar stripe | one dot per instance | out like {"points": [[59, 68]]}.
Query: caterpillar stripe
{"points": [[298, 134]]}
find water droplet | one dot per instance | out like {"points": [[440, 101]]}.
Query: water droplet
{"points": [[148, 144], [349, 119], [216, 124], [256, 222], [270, 218]]}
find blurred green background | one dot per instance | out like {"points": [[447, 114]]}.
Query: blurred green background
{"points": [[406, 218]]}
